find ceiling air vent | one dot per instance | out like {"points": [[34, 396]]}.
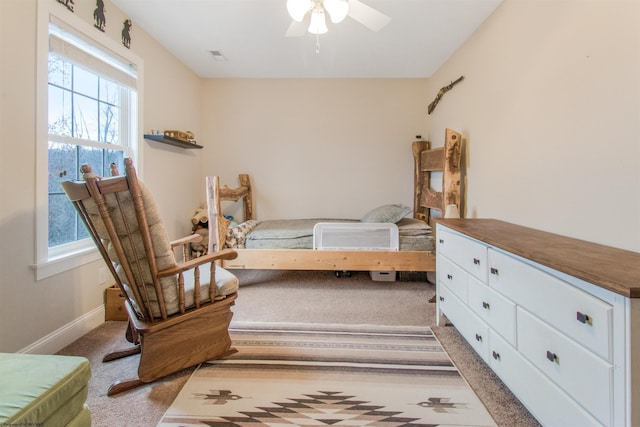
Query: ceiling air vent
{"points": [[218, 56]]}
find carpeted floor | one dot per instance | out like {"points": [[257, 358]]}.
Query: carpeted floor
{"points": [[290, 296]]}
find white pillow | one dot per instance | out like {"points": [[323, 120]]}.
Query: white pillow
{"points": [[386, 213]]}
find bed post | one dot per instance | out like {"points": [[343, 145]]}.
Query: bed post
{"points": [[247, 202], [444, 159], [420, 180], [217, 222], [451, 172]]}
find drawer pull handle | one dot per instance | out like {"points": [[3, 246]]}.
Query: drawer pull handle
{"points": [[476, 261], [494, 271], [584, 318], [496, 355], [486, 305], [478, 338], [553, 357], [449, 276]]}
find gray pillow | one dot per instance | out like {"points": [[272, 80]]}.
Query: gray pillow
{"points": [[386, 213]]}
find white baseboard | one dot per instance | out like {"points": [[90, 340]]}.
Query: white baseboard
{"points": [[62, 337]]}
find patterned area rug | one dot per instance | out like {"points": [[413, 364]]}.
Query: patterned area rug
{"points": [[328, 375]]}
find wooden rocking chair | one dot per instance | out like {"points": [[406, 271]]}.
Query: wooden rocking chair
{"points": [[178, 318]]}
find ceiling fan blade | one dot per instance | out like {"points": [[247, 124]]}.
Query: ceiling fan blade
{"points": [[297, 29], [367, 16]]}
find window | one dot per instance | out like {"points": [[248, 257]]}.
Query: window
{"points": [[85, 115], [91, 117]]}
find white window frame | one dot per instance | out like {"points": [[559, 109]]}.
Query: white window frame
{"points": [[51, 261]]}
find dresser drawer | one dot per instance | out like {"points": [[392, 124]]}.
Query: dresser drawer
{"points": [[546, 401], [454, 277], [474, 330], [581, 374], [497, 311], [583, 317], [468, 254]]}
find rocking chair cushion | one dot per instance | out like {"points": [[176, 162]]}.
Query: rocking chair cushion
{"points": [[133, 246], [226, 284]]}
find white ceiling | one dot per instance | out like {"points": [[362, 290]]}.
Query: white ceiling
{"points": [[420, 37]]}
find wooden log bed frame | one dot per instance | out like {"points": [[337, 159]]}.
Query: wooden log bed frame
{"points": [[444, 159]]}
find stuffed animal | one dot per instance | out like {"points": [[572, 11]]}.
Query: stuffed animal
{"points": [[201, 248], [200, 222], [200, 216]]}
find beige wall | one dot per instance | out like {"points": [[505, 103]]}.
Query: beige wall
{"points": [[314, 148], [32, 310], [550, 109]]}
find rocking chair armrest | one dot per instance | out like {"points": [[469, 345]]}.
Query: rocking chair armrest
{"points": [[226, 254], [192, 238]]}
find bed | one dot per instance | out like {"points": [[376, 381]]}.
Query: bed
{"points": [[288, 244]]}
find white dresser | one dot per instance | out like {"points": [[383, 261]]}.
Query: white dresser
{"points": [[557, 319]]}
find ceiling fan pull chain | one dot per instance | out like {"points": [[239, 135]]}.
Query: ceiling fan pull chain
{"points": [[317, 44]]}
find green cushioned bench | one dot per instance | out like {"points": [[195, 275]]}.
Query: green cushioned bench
{"points": [[42, 390]]}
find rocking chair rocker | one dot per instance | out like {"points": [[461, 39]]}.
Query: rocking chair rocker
{"points": [[177, 318]]}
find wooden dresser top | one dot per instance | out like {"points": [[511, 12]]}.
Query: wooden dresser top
{"points": [[610, 268]]}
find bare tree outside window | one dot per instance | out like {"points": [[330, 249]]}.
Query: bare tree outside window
{"points": [[84, 125]]}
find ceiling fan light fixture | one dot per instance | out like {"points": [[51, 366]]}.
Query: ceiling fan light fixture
{"points": [[298, 8], [318, 23], [338, 9]]}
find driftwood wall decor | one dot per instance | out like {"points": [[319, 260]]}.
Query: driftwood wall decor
{"points": [[441, 92]]}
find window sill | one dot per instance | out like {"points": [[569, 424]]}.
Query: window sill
{"points": [[66, 262]]}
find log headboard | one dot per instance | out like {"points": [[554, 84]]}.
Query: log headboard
{"points": [[444, 159]]}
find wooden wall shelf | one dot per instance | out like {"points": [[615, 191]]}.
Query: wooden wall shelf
{"points": [[172, 141]]}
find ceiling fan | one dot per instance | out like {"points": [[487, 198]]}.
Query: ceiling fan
{"points": [[309, 15]]}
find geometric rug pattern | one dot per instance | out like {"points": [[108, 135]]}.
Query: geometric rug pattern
{"points": [[328, 375]]}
